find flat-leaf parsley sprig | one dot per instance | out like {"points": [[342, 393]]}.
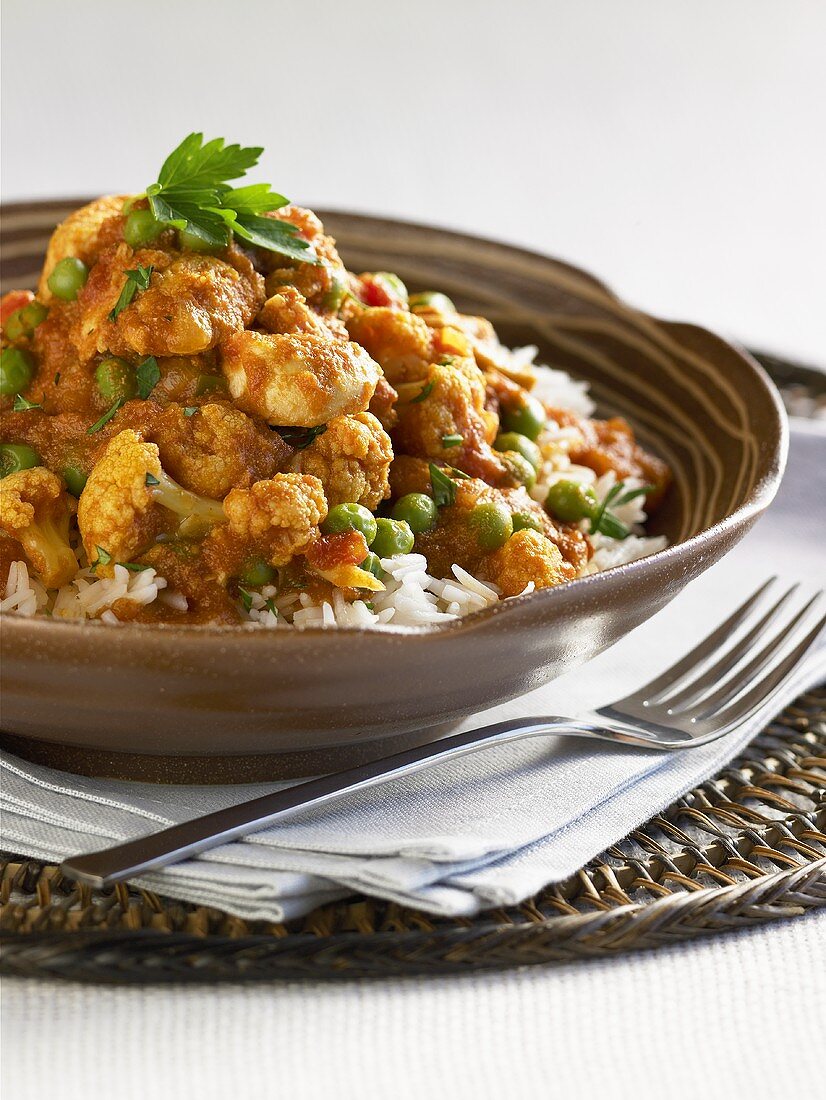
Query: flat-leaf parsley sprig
{"points": [[192, 192]]}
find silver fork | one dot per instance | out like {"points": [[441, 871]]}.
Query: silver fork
{"points": [[693, 702]]}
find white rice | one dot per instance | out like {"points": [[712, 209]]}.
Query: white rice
{"points": [[412, 598]]}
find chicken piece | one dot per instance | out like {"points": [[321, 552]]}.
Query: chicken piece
{"points": [[192, 302], [611, 445], [84, 235], [216, 448], [288, 312], [274, 519], [400, 341], [35, 510], [527, 556], [297, 381], [351, 459], [451, 404], [337, 558], [129, 501]]}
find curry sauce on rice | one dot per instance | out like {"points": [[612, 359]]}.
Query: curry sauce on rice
{"points": [[206, 418]]}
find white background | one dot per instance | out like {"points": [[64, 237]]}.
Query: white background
{"points": [[677, 149]]}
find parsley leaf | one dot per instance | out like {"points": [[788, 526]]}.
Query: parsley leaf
{"points": [[150, 480], [104, 420], [444, 488], [246, 598], [148, 376], [136, 279], [193, 193], [190, 410], [133, 566], [454, 440], [299, 438], [103, 558], [269, 605], [22, 404]]}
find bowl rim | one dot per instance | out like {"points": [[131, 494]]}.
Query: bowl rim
{"points": [[758, 499]]}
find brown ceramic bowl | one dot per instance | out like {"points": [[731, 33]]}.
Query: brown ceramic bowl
{"points": [[217, 703]]}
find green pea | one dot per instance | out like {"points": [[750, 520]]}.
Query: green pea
{"points": [[394, 282], [15, 327], [393, 537], [337, 292], [17, 456], [32, 314], [492, 525], [513, 441], [431, 299], [417, 510], [372, 564], [350, 517], [68, 278], [116, 380], [520, 470], [526, 419], [525, 521], [257, 572], [141, 227], [571, 501], [16, 371], [75, 478], [190, 240]]}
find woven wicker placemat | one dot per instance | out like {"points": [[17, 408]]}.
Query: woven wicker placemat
{"points": [[745, 847]]}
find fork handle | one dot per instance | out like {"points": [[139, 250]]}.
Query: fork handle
{"points": [[179, 842]]}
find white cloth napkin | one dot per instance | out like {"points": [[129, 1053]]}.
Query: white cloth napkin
{"points": [[486, 830]]}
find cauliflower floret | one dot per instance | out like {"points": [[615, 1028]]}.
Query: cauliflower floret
{"points": [[316, 282], [129, 500], [82, 235], [274, 519], [400, 341], [351, 459], [193, 300], [34, 510], [216, 448], [527, 556], [297, 381], [452, 403]]}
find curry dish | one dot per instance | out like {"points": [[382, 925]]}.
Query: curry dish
{"points": [[206, 418]]}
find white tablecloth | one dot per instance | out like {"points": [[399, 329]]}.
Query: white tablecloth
{"points": [[734, 1017]]}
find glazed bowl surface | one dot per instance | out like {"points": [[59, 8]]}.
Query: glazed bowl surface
{"points": [[218, 703]]}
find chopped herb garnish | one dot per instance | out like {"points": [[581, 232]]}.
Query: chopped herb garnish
{"points": [[369, 606], [151, 480], [300, 438], [56, 378], [190, 410], [104, 420], [103, 558], [444, 488], [604, 521], [193, 193], [148, 376], [134, 566], [22, 404], [459, 473], [424, 393], [454, 440], [269, 605], [246, 598], [136, 279], [446, 360]]}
